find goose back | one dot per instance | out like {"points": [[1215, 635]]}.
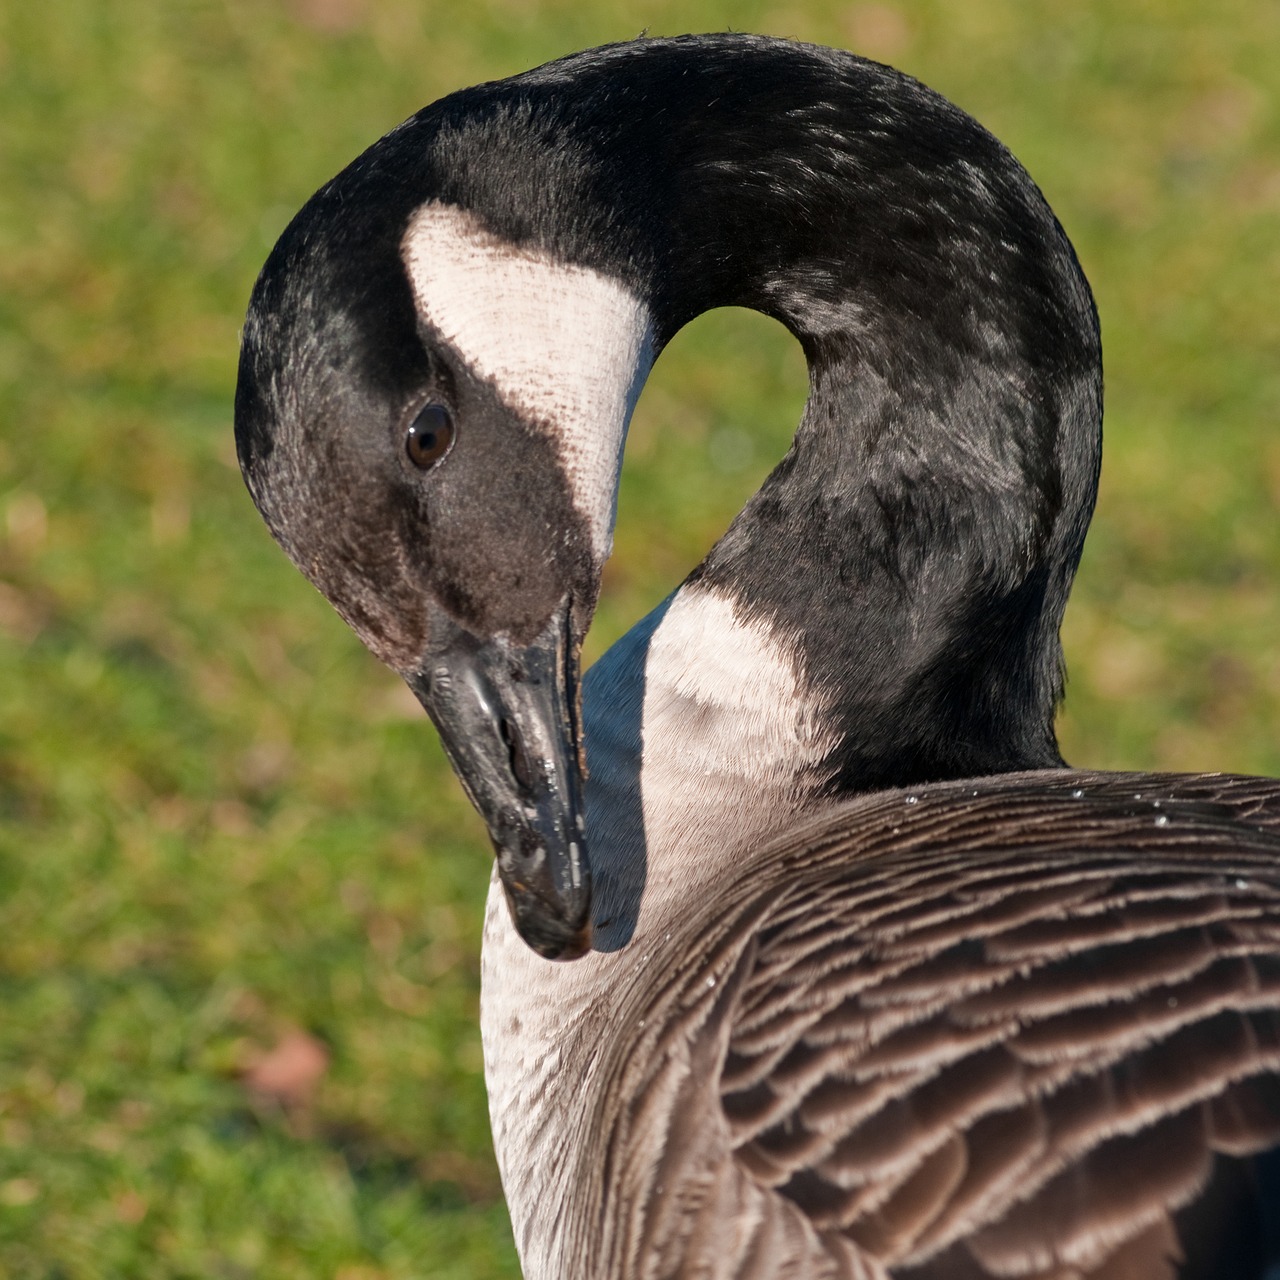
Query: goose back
{"points": [[984, 1029]]}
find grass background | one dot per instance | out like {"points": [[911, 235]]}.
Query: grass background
{"points": [[221, 823]]}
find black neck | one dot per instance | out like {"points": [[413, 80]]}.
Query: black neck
{"points": [[920, 538]]}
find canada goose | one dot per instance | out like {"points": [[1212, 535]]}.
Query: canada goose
{"points": [[864, 982]]}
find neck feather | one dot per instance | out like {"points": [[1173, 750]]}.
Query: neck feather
{"points": [[920, 538]]}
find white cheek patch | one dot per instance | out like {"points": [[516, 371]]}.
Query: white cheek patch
{"points": [[564, 346]]}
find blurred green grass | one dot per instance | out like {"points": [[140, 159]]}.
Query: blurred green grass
{"points": [[220, 821]]}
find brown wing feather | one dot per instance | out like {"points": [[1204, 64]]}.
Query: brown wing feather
{"points": [[1009, 1030]]}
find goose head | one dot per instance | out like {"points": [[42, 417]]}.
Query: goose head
{"points": [[443, 351], [430, 418]]}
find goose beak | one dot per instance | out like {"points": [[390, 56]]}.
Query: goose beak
{"points": [[504, 714]]}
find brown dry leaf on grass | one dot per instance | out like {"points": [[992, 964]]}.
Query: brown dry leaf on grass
{"points": [[289, 1073]]}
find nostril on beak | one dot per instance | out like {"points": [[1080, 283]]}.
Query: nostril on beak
{"points": [[516, 755]]}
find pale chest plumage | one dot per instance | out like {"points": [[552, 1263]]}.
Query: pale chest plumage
{"points": [[701, 748]]}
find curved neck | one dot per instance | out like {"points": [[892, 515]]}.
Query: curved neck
{"points": [[919, 539]]}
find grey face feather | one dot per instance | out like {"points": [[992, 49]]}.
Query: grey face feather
{"points": [[492, 535]]}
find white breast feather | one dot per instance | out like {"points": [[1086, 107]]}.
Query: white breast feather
{"points": [[732, 748]]}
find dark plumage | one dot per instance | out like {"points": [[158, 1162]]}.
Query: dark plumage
{"points": [[870, 984]]}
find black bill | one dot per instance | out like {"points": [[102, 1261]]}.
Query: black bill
{"points": [[508, 722]]}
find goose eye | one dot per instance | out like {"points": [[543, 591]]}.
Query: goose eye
{"points": [[429, 436]]}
